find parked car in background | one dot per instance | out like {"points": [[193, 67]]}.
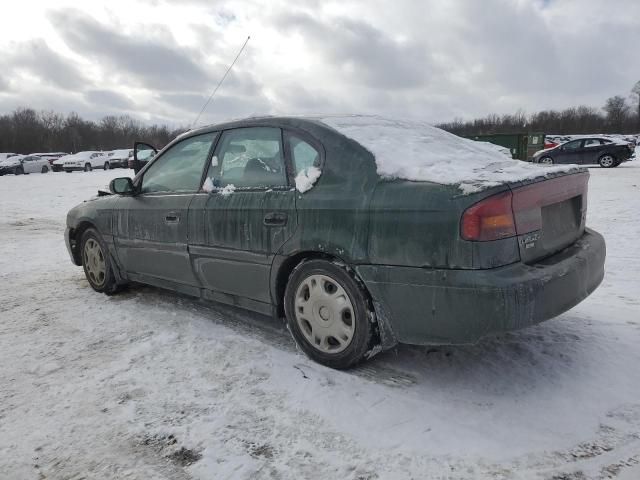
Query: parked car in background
{"points": [[5, 155], [85, 161], [118, 158], [57, 164], [293, 217], [51, 156], [587, 151], [24, 164]]}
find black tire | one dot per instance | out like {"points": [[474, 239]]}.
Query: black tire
{"points": [[106, 166], [546, 161], [45, 169], [19, 171], [107, 282], [87, 167], [68, 171], [607, 161], [361, 320]]}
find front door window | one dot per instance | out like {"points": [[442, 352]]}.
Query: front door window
{"points": [[180, 168]]}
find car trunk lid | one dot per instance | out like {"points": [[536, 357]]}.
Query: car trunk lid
{"points": [[549, 215]]}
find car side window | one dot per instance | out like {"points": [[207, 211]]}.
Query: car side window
{"points": [[179, 169], [592, 142], [249, 157], [574, 145], [304, 154]]}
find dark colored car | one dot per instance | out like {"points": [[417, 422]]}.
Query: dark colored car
{"points": [[119, 158], [587, 151], [357, 262]]}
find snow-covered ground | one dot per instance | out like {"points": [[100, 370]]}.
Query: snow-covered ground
{"points": [[152, 385]]}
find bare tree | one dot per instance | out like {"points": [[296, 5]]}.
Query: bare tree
{"points": [[27, 131], [617, 112], [635, 91]]}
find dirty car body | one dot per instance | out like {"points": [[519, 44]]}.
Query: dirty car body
{"points": [[436, 266]]}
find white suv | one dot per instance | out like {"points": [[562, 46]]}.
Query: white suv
{"points": [[86, 161]]}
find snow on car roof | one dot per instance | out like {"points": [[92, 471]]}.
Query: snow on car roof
{"points": [[415, 150]]}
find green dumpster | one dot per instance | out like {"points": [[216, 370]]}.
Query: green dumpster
{"points": [[521, 145]]}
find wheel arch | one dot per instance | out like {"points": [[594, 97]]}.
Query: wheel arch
{"points": [[285, 267], [75, 235]]}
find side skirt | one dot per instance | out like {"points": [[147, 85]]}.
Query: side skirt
{"points": [[211, 295]]}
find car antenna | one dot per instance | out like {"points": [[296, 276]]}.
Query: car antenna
{"points": [[220, 82]]}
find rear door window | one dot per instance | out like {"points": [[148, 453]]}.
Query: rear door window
{"points": [[303, 153], [249, 157]]}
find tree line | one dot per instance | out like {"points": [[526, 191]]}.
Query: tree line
{"points": [[27, 131], [618, 115]]}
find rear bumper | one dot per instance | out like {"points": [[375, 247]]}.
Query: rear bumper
{"points": [[423, 306]]}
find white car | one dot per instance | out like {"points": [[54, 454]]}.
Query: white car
{"points": [[4, 156], [50, 157], [86, 161], [19, 164]]}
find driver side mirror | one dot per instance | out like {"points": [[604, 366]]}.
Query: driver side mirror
{"points": [[122, 186]]}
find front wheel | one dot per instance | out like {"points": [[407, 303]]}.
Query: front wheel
{"points": [[87, 167], [329, 313], [96, 263], [45, 169], [546, 160], [607, 161]]}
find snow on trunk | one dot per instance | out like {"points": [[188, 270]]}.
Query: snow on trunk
{"points": [[414, 150]]}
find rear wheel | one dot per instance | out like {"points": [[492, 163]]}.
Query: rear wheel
{"points": [[87, 167], [96, 263], [546, 160], [607, 161], [106, 166], [329, 314], [45, 169]]}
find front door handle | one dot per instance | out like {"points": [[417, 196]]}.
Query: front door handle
{"points": [[273, 219], [172, 217]]}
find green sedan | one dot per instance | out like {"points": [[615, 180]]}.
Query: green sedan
{"points": [[362, 232]]}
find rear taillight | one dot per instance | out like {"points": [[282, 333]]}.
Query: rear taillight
{"points": [[489, 219]]}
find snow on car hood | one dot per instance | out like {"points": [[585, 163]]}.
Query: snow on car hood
{"points": [[414, 150], [11, 161]]}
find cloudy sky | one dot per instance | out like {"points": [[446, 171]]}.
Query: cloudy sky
{"points": [[158, 60]]}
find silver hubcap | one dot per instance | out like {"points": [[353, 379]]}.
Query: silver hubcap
{"points": [[606, 161], [324, 313], [94, 261], [546, 161]]}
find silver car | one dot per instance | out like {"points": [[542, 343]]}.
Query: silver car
{"points": [[21, 164]]}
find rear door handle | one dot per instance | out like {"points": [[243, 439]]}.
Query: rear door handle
{"points": [[275, 219]]}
